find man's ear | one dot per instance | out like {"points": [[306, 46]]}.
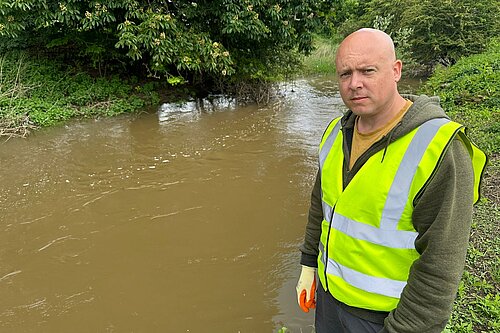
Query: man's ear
{"points": [[396, 68]]}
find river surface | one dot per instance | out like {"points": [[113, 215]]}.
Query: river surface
{"points": [[187, 219]]}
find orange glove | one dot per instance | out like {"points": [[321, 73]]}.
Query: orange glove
{"points": [[306, 288]]}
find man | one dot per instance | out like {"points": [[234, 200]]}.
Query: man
{"points": [[391, 207]]}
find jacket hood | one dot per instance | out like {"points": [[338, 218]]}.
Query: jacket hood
{"points": [[424, 108]]}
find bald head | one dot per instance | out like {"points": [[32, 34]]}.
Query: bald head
{"points": [[368, 41]]}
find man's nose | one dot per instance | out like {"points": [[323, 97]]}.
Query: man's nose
{"points": [[356, 81]]}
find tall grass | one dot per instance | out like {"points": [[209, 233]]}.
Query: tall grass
{"points": [[12, 121], [470, 94], [322, 59]]}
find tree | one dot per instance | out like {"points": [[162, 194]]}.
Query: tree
{"points": [[445, 31], [442, 31], [172, 39]]}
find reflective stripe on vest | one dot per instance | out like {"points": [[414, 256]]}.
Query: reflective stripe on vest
{"points": [[373, 284], [398, 194], [388, 233]]}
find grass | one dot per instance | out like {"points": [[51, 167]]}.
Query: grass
{"points": [[477, 306], [470, 94], [38, 92], [322, 59]]}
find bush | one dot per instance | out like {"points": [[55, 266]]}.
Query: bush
{"points": [[470, 94], [442, 31]]}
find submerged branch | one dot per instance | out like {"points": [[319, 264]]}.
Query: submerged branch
{"points": [[10, 128], [259, 92]]}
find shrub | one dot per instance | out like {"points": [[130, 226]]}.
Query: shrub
{"points": [[470, 94], [39, 93], [442, 31]]}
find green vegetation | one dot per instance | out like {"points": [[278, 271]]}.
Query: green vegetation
{"points": [[114, 56], [322, 59], [203, 42], [432, 32], [237, 47], [477, 308], [426, 33], [470, 94], [38, 93]]}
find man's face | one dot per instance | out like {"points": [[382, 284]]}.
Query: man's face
{"points": [[367, 74]]}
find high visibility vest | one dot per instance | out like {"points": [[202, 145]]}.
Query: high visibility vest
{"points": [[367, 242]]}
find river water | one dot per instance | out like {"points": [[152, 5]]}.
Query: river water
{"points": [[183, 220]]}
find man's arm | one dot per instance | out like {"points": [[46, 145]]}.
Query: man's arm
{"points": [[442, 218], [309, 248]]}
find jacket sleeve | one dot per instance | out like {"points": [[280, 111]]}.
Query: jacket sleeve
{"points": [[309, 248], [442, 217]]}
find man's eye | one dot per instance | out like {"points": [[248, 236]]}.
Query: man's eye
{"points": [[346, 74]]}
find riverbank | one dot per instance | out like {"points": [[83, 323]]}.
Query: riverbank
{"points": [[37, 92]]}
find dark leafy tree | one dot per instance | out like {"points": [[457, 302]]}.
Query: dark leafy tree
{"points": [[176, 40], [442, 31]]}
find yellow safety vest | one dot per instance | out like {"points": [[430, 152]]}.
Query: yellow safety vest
{"points": [[367, 242]]}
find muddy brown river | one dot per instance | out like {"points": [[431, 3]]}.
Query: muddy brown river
{"points": [[183, 220]]}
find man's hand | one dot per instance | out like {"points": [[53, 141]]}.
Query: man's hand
{"points": [[306, 288]]}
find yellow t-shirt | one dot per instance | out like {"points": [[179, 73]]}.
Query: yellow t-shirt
{"points": [[361, 142]]}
